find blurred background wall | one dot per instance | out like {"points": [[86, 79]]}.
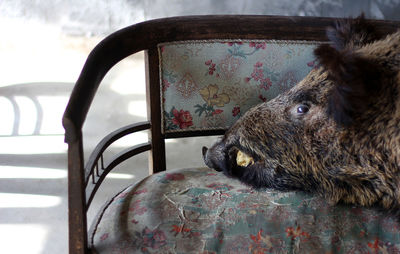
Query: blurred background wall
{"points": [[104, 16]]}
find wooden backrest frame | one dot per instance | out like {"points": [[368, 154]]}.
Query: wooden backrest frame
{"points": [[146, 36]]}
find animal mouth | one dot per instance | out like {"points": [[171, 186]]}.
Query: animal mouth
{"points": [[236, 159]]}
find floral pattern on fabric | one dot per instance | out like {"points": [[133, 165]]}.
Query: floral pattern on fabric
{"points": [[202, 211], [178, 119], [216, 82]]}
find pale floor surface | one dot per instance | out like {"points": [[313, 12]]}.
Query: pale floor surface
{"points": [[39, 67]]}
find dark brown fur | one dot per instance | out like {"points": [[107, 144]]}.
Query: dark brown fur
{"points": [[347, 146]]}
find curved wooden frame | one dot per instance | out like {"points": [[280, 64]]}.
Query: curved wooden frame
{"points": [[97, 175], [146, 36]]}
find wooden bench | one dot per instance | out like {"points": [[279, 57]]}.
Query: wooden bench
{"points": [[202, 74]]}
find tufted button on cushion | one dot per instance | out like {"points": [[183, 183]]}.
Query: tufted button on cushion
{"points": [[202, 211]]}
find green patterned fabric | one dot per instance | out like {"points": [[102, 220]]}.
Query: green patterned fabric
{"points": [[210, 84], [202, 211]]}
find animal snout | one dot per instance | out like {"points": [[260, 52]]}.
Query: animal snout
{"points": [[204, 151], [213, 159]]}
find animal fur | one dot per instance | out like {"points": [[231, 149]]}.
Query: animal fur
{"points": [[346, 147]]}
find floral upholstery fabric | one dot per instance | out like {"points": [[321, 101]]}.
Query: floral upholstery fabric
{"points": [[202, 211], [210, 84]]}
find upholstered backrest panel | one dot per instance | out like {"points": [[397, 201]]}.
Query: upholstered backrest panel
{"points": [[210, 84]]}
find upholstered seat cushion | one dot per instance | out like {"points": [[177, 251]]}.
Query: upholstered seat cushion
{"points": [[202, 211]]}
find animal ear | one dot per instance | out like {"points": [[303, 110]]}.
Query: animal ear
{"points": [[352, 33], [356, 81]]}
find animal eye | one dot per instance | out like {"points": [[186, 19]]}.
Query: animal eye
{"points": [[302, 109]]}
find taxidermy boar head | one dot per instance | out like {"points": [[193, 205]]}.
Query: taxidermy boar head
{"points": [[336, 133]]}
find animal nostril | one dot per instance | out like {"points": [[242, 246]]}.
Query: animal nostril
{"points": [[204, 150]]}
